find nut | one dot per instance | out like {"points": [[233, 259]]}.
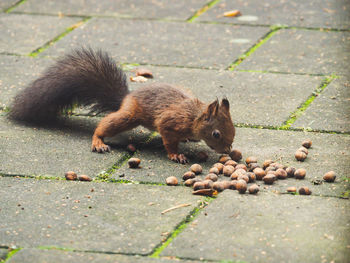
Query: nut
{"points": [[205, 192], [134, 162], [259, 173], [228, 170], [267, 163], [241, 166], [253, 189], [251, 177], [214, 170], [188, 175], [241, 186], [251, 159], [198, 185], [202, 156], [243, 177], [71, 176], [307, 143], [237, 173], [281, 174], [270, 168], [305, 191], [300, 173], [212, 177], [208, 184], [233, 185], [292, 189], [231, 162], [269, 179], [190, 182], [304, 150], [300, 156], [329, 177], [252, 166], [227, 184], [144, 73], [290, 171], [171, 180], [196, 168], [224, 158], [218, 186], [84, 177], [220, 166], [236, 155]]}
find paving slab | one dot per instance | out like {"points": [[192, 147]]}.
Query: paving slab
{"points": [[313, 13], [119, 218], [255, 98], [5, 4], [302, 51], [329, 152], [3, 253], [330, 110], [125, 8], [267, 228], [165, 43], [22, 34]]}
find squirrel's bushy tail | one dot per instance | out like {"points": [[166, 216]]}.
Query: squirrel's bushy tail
{"points": [[84, 77]]}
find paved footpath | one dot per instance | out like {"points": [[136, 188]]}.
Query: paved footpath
{"points": [[284, 66]]}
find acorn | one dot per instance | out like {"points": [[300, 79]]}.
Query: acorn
{"points": [[304, 150], [220, 166], [171, 181], [71, 176], [269, 179], [305, 191], [212, 177], [224, 158], [243, 177], [188, 175], [329, 177], [198, 186], [190, 182], [214, 170], [300, 173], [228, 170], [241, 166], [202, 156], [253, 189], [300, 156], [267, 163], [196, 168], [251, 177], [236, 155], [134, 162], [281, 173], [292, 189], [290, 171], [307, 143], [241, 186], [251, 159], [231, 162], [84, 177], [131, 148], [218, 186], [208, 184], [259, 173]]}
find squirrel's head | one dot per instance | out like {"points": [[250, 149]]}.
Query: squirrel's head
{"points": [[216, 126]]}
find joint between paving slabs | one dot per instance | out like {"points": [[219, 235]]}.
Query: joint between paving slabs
{"points": [[8, 10], [202, 10], [10, 254]]}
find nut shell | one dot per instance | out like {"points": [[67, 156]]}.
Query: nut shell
{"points": [[251, 177], [304, 150], [300, 156], [253, 189], [252, 166], [71, 176], [188, 175], [223, 159], [292, 189], [281, 174], [307, 143], [241, 166], [134, 162], [305, 191], [220, 166], [290, 171], [212, 177], [259, 173], [198, 186], [251, 159], [205, 192], [208, 184], [196, 168], [171, 181], [214, 170], [84, 177], [231, 162], [329, 177], [236, 155], [300, 173], [269, 179], [241, 186], [267, 163], [243, 177], [218, 186], [228, 170], [190, 182]]}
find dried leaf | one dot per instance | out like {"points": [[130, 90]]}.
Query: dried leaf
{"points": [[138, 79], [232, 13]]}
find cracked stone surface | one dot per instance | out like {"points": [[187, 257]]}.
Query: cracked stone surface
{"points": [[166, 43], [112, 217], [5, 4], [3, 253], [22, 34], [312, 13], [159, 9], [302, 51], [329, 111], [268, 228]]}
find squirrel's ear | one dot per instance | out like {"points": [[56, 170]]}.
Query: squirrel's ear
{"points": [[212, 110], [225, 104]]}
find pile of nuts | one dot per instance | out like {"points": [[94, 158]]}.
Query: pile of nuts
{"points": [[72, 176]]}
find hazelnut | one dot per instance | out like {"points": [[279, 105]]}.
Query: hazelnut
{"points": [[251, 177], [212, 177], [241, 186], [196, 168], [292, 189], [218, 186], [224, 158], [304, 150], [269, 179], [188, 175], [271, 168], [259, 173], [305, 191], [233, 185], [231, 162], [220, 166], [131, 148], [214, 170], [84, 177], [290, 171], [300, 173], [190, 182], [329, 176], [171, 180], [243, 177], [267, 163], [237, 173], [134, 162], [71, 176], [241, 166], [307, 143], [202, 156], [198, 186], [228, 170], [252, 166], [208, 184], [253, 189], [251, 159], [281, 174], [300, 156], [236, 155]]}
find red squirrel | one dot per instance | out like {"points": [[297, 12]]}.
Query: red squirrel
{"points": [[91, 78]]}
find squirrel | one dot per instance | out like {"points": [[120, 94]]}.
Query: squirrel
{"points": [[92, 78]]}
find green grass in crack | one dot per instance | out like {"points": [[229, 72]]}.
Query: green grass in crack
{"points": [[10, 254], [203, 10], [8, 10]]}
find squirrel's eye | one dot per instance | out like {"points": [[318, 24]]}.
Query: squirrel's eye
{"points": [[216, 134]]}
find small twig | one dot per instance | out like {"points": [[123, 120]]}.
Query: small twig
{"points": [[174, 207]]}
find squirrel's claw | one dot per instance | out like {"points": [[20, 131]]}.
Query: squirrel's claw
{"points": [[179, 158], [101, 148]]}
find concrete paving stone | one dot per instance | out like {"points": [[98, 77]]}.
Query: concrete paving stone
{"points": [[119, 218], [166, 43], [23, 34], [3, 253], [330, 110], [5, 4], [302, 51], [314, 13], [125, 8], [329, 152], [268, 228], [271, 97], [52, 255], [17, 72], [30, 150]]}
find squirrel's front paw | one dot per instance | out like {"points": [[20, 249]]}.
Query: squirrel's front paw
{"points": [[100, 148], [179, 158]]}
